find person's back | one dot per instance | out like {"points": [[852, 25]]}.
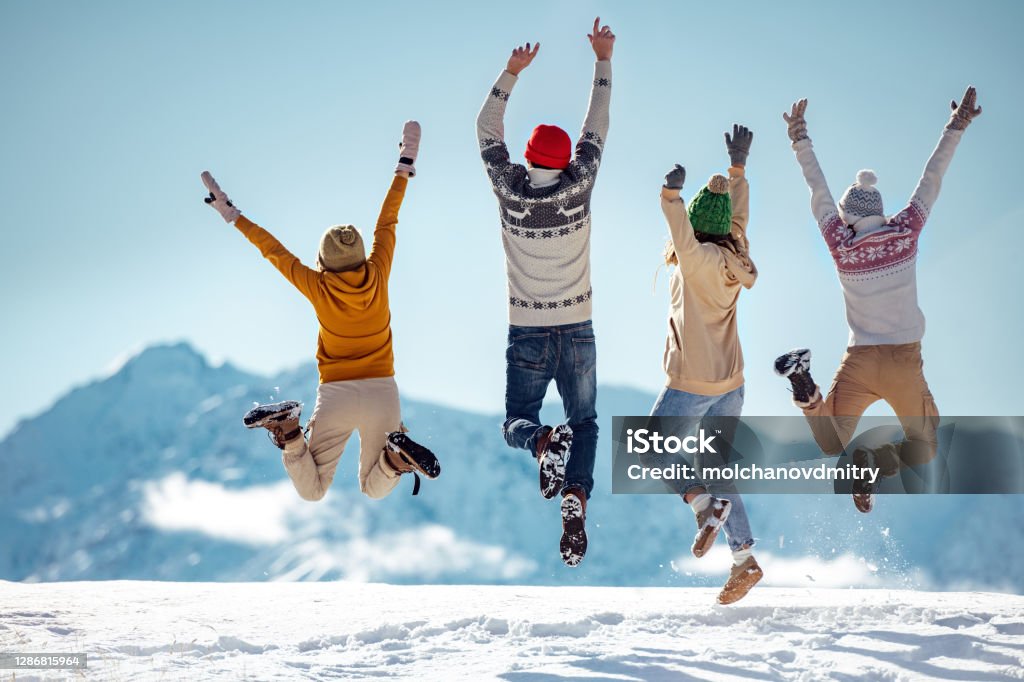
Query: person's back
{"points": [[545, 208]]}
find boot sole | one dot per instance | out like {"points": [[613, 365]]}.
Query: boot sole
{"points": [[552, 464], [261, 415], [707, 535], [786, 368], [739, 589], [573, 545], [420, 457]]}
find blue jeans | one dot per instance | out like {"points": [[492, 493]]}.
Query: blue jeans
{"points": [[566, 353], [673, 403]]}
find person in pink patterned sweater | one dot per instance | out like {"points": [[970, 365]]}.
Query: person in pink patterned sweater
{"points": [[876, 257]]}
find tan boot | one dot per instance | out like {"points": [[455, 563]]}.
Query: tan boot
{"points": [[741, 579]]}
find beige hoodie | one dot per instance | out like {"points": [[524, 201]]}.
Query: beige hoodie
{"points": [[702, 353]]}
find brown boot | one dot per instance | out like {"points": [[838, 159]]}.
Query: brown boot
{"points": [[280, 419], [741, 579], [404, 456], [573, 545], [709, 522]]}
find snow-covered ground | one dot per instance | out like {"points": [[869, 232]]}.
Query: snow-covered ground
{"points": [[289, 631]]}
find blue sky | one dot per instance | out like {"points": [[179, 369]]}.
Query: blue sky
{"points": [[112, 109]]}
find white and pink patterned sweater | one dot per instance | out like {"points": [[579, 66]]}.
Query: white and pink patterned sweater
{"points": [[878, 267]]}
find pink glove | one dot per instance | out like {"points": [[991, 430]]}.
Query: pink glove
{"points": [[219, 200], [409, 148]]}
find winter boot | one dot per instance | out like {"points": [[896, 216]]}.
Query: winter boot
{"points": [[573, 545], [888, 462], [796, 366], [280, 419], [552, 455], [404, 455], [741, 579], [709, 522]]}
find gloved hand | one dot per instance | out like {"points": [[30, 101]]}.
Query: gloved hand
{"points": [[965, 112], [675, 178], [796, 122], [408, 148], [739, 144], [219, 200]]}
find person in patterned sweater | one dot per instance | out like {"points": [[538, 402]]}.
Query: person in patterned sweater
{"points": [[545, 218], [876, 258]]}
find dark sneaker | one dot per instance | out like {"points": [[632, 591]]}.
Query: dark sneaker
{"points": [[405, 456], [573, 545], [709, 522], [552, 456], [863, 490], [741, 579], [280, 419], [796, 366]]}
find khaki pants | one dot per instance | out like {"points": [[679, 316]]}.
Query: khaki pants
{"points": [[342, 407], [893, 373]]}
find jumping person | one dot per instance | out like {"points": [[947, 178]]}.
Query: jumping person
{"points": [[357, 391], [876, 258], [545, 218], [703, 357]]}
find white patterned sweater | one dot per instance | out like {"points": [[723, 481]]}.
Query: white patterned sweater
{"points": [[878, 267], [546, 230]]}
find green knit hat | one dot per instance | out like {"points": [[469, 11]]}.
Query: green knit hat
{"points": [[711, 210]]}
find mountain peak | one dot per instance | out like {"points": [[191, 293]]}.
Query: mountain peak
{"points": [[163, 357]]}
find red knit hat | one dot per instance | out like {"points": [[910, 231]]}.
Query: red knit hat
{"points": [[549, 146]]}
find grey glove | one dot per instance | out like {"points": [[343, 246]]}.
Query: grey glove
{"points": [[739, 144], [965, 112], [796, 122], [409, 148], [218, 200], [675, 178]]}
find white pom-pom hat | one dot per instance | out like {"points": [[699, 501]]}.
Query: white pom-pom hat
{"points": [[861, 199]]}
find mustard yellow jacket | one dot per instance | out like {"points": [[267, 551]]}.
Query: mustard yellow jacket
{"points": [[352, 307]]}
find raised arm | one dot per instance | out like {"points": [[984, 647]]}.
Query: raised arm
{"points": [[590, 145], [304, 279], [382, 252], [927, 190], [490, 123], [688, 249], [738, 146], [823, 206]]}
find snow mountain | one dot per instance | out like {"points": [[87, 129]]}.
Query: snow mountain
{"points": [[147, 473]]}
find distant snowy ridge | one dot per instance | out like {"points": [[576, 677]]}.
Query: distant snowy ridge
{"points": [[147, 473], [158, 631]]}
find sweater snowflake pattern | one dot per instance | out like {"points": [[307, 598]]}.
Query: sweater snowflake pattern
{"points": [[878, 267], [546, 230]]}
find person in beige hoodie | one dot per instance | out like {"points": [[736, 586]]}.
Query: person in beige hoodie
{"points": [[703, 358]]}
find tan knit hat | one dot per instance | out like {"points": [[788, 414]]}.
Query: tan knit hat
{"points": [[341, 249]]}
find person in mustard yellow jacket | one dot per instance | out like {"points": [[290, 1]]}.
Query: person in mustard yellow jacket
{"points": [[357, 391]]}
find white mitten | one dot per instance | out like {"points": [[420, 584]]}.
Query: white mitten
{"points": [[219, 200], [409, 148]]}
